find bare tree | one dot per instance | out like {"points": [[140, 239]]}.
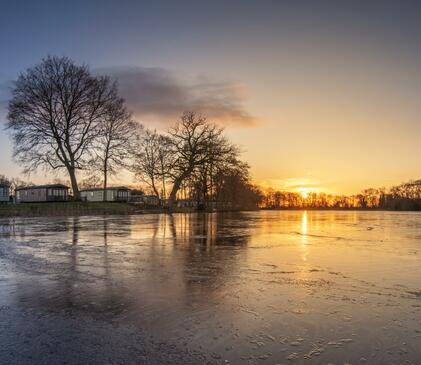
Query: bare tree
{"points": [[115, 142], [234, 190], [53, 115], [152, 161], [191, 157], [224, 160], [15, 183], [92, 181], [194, 143], [4, 180]]}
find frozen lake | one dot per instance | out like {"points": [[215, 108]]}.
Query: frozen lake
{"points": [[268, 287]]}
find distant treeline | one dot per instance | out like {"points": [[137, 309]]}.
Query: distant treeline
{"points": [[406, 196]]}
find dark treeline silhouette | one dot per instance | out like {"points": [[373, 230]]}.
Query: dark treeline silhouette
{"points": [[406, 196], [283, 200]]}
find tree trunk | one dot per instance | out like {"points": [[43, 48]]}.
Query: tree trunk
{"points": [[104, 193], [75, 188], [157, 194], [155, 190], [164, 192], [176, 187], [174, 191]]}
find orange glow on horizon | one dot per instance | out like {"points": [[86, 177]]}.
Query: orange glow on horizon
{"points": [[305, 191]]}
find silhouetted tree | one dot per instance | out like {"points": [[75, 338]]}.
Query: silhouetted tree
{"points": [[194, 142], [234, 190], [115, 142], [4, 180], [92, 181], [153, 161], [54, 114]]}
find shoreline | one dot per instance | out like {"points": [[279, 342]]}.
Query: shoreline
{"points": [[56, 209]]}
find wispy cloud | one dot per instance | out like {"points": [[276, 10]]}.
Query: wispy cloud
{"points": [[157, 95]]}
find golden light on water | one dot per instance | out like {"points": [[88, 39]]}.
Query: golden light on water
{"points": [[304, 221], [304, 227]]}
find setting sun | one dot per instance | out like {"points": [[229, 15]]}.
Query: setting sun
{"points": [[304, 192]]}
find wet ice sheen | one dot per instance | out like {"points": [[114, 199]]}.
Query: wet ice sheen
{"points": [[295, 287]]}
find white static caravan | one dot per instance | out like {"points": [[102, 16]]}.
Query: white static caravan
{"points": [[113, 194]]}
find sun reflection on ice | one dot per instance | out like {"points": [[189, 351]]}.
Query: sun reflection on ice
{"points": [[304, 223], [304, 220]]}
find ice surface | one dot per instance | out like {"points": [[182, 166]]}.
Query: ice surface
{"points": [[263, 287]]}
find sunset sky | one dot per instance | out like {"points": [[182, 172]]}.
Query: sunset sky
{"points": [[318, 95]]}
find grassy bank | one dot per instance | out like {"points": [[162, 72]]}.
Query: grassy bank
{"points": [[67, 208]]}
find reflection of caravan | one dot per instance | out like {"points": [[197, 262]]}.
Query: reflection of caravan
{"points": [[114, 194], [187, 203], [42, 193], [4, 192]]}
